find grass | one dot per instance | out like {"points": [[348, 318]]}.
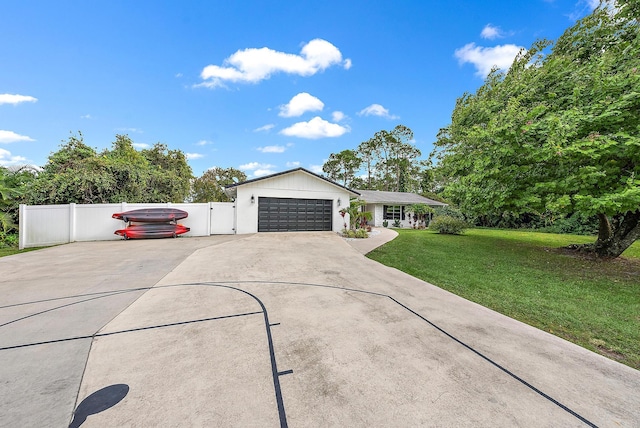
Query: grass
{"points": [[526, 276], [8, 251]]}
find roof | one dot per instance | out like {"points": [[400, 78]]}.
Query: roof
{"points": [[396, 198], [229, 189]]}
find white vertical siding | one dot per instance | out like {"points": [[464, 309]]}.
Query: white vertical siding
{"points": [[298, 185], [42, 225]]}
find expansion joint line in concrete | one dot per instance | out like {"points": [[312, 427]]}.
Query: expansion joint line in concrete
{"points": [[131, 330], [274, 368], [272, 355], [450, 336]]}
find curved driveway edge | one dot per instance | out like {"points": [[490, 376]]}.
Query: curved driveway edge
{"points": [[379, 237]]}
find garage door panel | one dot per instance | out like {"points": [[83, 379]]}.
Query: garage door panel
{"points": [[288, 214]]}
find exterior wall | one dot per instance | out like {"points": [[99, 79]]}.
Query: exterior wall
{"points": [[376, 211], [297, 185], [378, 215], [43, 225]]}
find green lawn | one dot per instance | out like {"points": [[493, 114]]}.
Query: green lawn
{"points": [[11, 250], [525, 275]]}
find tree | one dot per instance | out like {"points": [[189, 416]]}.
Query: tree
{"points": [[8, 192], [342, 166], [76, 173], [210, 186], [170, 174], [368, 153], [558, 133], [12, 185]]}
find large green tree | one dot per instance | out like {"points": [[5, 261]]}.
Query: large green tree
{"points": [[396, 158], [77, 173], [389, 158], [209, 187], [342, 167], [558, 133]]}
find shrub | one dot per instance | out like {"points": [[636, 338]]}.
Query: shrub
{"points": [[385, 223], [396, 223], [448, 225], [448, 211], [361, 233], [351, 233], [8, 240]]}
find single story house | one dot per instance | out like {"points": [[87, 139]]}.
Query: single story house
{"points": [[293, 200], [392, 206]]}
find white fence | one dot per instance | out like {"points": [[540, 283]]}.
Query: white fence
{"points": [[43, 225]]}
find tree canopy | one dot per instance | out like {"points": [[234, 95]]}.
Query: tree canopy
{"points": [[558, 133], [389, 158], [77, 173], [210, 186]]}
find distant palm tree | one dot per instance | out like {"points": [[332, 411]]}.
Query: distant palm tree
{"points": [[8, 191]]}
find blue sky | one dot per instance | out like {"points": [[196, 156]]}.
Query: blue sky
{"points": [[259, 85]]}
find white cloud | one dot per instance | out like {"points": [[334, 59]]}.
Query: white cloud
{"points": [[337, 116], [315, 128], [255, 64], [86, 116], [141, 145], [347, 64], [191, 156], [376, 110], [316, 168], [6, 158], [266, 128], [584, 7], [592, 4], [136, 130], [257, 169], [272, 149], [490, 32], [12, 137], [251, 166], [299, 104], [16, 99], [293, 164], [263, 172], [484, 58], [203, 143]]}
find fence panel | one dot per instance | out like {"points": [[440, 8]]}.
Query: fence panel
{"points": [[43, 225], [223, 218], [48, 225]]}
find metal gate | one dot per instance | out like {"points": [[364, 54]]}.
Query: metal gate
{"points": [[286, 214]]}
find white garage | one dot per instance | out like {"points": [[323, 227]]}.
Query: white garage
{"points": [[289, 201]]}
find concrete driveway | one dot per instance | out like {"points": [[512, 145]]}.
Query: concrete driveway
{"points": [[276, 330]]}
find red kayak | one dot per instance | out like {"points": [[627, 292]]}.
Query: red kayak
{"points": [[152, 215], [150, 230]]}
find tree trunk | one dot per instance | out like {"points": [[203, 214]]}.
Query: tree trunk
{"points": [[617, 235]]}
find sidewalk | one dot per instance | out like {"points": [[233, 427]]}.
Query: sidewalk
{"points": [[377, 237]]}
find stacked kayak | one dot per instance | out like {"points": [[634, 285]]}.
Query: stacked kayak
{"points": [[152, 215], [153, 223]]}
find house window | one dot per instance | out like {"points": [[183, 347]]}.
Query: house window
{"points": [[393, 212]]}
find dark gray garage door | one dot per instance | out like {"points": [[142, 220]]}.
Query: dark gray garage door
{"points": [[286, 214]]}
